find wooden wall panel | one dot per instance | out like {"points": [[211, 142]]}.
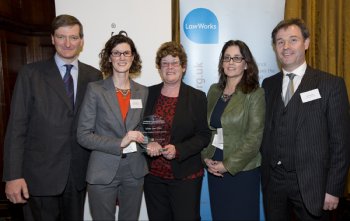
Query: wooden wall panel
{"points": [[40, 11], [42, 48], [5, 8], [15, 54], [24, 38]]}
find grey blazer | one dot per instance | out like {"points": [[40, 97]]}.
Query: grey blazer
{"points": [[101, 129]]}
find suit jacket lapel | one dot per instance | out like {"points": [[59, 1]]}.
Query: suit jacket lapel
{"points": [[275, 95], [112, 101], [135, 94], [236, 99], [212, 100], [232, 103], [309, 82], [54, 79], [181, 106], [153, 95], [278, 96], [81, 86]]}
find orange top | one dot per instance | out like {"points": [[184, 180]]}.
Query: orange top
{"points": [[124, 102]]}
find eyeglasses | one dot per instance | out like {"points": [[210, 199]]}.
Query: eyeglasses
{"points": [[235, 59], [117, 54], [165, 64]]}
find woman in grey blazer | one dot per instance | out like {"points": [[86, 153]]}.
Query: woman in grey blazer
{"points": [[109, 126]]}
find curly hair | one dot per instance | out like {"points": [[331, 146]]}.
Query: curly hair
{"points": [[106, 66], [174, 49], [250, 78]]}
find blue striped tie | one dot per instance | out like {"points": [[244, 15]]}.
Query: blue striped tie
{"points": [[68, 83]]}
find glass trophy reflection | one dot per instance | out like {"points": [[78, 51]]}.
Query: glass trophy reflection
{"points": [[155, 129]]}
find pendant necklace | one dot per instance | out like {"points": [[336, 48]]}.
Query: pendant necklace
{"points": [[124, 92], [225, 97]]}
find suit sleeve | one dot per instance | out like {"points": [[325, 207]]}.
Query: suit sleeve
{"points": [[339, 135], [86, 135], [18, 126], [195, 143]]}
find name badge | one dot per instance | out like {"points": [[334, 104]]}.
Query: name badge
{"points": [[310, 95], [135, 103], [130, 148], [218, 140]]}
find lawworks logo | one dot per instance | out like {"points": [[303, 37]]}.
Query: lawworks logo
{"points": [[201, 26]]}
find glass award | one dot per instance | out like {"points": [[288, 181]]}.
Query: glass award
{"points": [[155, 129]]}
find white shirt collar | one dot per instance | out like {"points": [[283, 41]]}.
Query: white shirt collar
{"points": [[299, 71], [60, 63]]}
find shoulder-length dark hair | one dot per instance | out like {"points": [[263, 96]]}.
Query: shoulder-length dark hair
{"points": [[106, 66], [250, 78]]}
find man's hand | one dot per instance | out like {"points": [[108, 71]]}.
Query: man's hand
{"points": [[17, 191], [330, 202]]}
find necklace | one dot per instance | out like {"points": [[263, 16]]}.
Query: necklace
{"points": [[225, 97], [124, 92]]}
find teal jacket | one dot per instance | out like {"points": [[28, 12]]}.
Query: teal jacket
{"points": [[243, 124]]}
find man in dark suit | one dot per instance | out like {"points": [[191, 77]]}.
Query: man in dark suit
{"points": [[44, 166], [305, 149]]}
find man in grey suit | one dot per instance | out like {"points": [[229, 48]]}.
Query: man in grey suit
{"points": [[305, 148], [44, 166]]}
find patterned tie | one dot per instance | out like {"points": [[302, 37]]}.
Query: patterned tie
{"points": [[290, 89], [68, 83]]}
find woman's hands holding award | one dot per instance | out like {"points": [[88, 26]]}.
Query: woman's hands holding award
{"points": [[131, 136], [155, 131], [154, 149]]}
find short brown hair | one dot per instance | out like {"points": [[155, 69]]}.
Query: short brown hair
{"points": [[286, 23], [66, 20], [174, 49]]}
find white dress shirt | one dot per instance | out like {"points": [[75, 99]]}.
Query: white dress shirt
{"points": [[299, 73]]}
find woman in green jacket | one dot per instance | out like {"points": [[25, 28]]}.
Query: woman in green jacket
{"points": [[236, 113]]}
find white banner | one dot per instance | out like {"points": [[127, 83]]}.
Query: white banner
{"points": [[205, 26]]}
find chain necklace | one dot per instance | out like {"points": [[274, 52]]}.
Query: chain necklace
{"points": [[124, 92]]}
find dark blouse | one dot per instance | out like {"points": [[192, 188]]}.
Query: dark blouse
{"points": [[215, 121], [165, 108]]}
